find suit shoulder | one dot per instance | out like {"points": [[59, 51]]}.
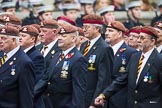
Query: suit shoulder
{"points": [[24, 57], [131, 49]]}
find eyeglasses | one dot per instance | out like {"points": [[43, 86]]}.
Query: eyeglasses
{"points": [[142, 37], [86, 27], [134, 36]]}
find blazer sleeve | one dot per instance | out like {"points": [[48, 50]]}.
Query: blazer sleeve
{"points": [[105, 68], [79, 71], [40, 66], [116, 85], [26, 85]]}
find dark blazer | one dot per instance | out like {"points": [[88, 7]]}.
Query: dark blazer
{"points": [[161, 52], [38, 61], [64, 90], [40, 68], [1, 53], [39, 46], [51, 54], [119, 100], [144, 94], [17, 82], [99, 78]]}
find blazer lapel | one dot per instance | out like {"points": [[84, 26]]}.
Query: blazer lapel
{"points": [[61, 63], [147, 66], [10, 62], [133, 72], [94, 47], [83, 47], [53, 51], [31, 50], [119, 53]]}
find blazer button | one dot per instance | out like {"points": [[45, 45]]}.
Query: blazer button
{"points": [[48, 94], [136, 91], [49, 83], [1, 81], [135, 102]]}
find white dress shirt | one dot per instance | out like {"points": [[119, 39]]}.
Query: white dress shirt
{"points": [[117, 46], [93, 41], [49, 47], [12, 52], [146, 57]]}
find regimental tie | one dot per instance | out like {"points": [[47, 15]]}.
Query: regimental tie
{"points": [[140, 64], [3, 59], [44, 49], [60, 57], [86, 48]]}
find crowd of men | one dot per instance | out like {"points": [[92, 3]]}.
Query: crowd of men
{"points": [[88, 62]]}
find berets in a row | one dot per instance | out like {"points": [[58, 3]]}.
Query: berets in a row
{"points": [[37, 27], [8, 18], [66, 29], [49, 24], [30, 29], [64, 18], [135, 29], [149, 30], [9, 31], [93, 19], [116, 25]]}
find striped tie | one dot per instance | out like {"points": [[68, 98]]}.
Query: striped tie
{"points": [[140, 64], [3, 59], [60, 57], [44, 49], [86, 49]]}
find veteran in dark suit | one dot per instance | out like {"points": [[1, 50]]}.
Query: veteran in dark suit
{"points": [[99, 56], [143, 75], [28, 37], [122, 53], [17, 77], [49, 40], [65, 82]]}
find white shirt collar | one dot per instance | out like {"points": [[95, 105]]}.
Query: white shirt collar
{"points": [[146, 57], [50, 45], [68, 50], [117, 46], [159, 48], [93, 41], [12, 52], [27, 49], [148, 53]]}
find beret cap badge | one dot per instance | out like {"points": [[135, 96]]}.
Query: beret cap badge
{"points": [[62, 30], [6, 18], [3, 31], [25, 29]]}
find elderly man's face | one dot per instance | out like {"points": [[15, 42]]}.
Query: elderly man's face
{"points": [[5, 43]]}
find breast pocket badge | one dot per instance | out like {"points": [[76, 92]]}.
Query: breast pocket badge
{"points": [[91, 61], [64, 72]]}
